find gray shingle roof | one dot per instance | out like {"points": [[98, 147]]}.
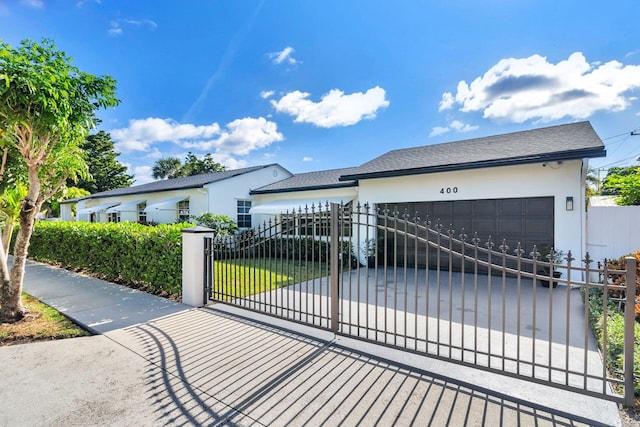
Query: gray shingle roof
{"points": [[194, 181], [309, 181], [563, 142]]}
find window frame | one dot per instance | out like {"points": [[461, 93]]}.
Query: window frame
{"points": [[243, 217]]}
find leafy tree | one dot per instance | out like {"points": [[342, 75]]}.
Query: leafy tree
{"points": [[626, 185], [172, 167], [195, 166], [106, 172], [48, 106], [613, 190]]}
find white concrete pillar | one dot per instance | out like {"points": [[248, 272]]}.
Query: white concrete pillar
{"points": [[193, 289]]}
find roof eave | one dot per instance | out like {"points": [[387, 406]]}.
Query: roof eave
{"points": [[306, 188], [568, 155]]}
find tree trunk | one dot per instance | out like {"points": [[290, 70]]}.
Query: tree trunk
{"points": [[7, 233], [11, 308], [4, 271]]}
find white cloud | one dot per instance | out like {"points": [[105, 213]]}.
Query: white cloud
{"points": [[142, 133], [284, 56], [81, 3], [36, 4], [517, 90], [116, 26], [447, 101], [267, 93], [115, 29], [438, 130], [461, 127], [307, 159], [141, 22], [455, 125], [143, 174], [240, 136], [334, 109]]}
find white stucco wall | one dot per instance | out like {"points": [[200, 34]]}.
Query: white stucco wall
{"points": [[197, 205], [560, 180], [66, 214], [217, 198], [223, 195]]}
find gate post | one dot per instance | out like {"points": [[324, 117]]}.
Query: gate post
{"points": [[629, 323], [193, 274], [334, 260]]}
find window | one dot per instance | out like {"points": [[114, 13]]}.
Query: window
{"points": [[317, 223], [183, 210], [142, 215], [244, 217], [113, 217]]}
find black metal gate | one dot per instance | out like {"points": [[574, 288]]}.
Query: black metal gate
{"points": [[359, 271]]}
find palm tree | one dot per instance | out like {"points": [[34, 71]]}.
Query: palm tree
{"points": [[168, 167]]}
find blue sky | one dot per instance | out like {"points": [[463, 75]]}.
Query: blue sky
{"points": [[327, 84]]}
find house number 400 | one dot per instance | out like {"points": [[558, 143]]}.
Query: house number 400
{"points": [[448, 190]]}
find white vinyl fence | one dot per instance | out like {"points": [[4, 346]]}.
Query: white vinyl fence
{"points": [[612, 231]]}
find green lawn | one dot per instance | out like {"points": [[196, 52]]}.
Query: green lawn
{"points": [[240, 278], [41, 323]]}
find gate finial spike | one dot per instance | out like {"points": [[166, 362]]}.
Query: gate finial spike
{"points": [[475, 239], [462, 235], [503, 247], [534, 254], [519, 251], [569, 257], [489, 243]]}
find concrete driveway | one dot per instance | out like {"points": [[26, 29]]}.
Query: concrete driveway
{"points": [[159, 364], [208, 367]]}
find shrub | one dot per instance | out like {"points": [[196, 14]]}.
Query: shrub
{"points": [[615, 336], [127, 253]]}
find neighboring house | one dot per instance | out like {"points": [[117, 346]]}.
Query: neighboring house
{"points": [[526, 187], [171, 200]]}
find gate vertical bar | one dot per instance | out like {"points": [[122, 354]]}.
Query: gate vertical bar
{"points": [[207, 287], [334, 260], [629, 322]]}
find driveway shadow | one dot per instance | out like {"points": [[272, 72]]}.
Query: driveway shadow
{"points": [[207, 367]]}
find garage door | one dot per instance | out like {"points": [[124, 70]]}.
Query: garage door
{"points": [[525, 220]]}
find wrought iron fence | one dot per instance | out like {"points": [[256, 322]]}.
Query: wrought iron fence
{"points": [[421, 286]]}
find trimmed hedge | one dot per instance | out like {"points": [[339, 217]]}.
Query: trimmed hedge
{"points": [[292, 248], [127, 253]]}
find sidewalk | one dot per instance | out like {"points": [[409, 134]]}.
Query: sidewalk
{"points": [[163, 363]]}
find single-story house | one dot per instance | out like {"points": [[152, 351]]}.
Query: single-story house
{"points": [[171, 200], [526, 187]]}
